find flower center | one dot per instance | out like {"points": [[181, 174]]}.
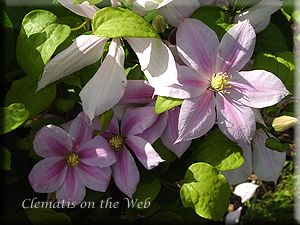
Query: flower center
{"points": [[72, 159], [116, 142], [220, 81]]}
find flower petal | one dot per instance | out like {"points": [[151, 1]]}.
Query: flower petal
{"points": [[107, 86], [142, 7], [144, 152], [196, 117], [233, 217], [178, 10], [156, 60], [136, 120], [236, 48], [170, 134], [192, 85], [257, 88], [97, 152], [267, 163], [197, 45], [48, 174], [52, 141], [240, 174], [125, 172], [72, 190], [236, 121], [85, 50], [112, 128], [83, 9], [138, 92], [245, 190], [80, 131], [93, 177]]}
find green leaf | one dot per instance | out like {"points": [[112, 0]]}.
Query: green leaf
{"points": [[206, 191], [281, 64], [244, 4], [135, 73], [5, 159], [91, 2], [165, 103], [63, 104], [40, 35], [46, 216], [219, 151], [23, 91], [118, 22], [289, 6], [163, 152], [105, 119], [12, 117], [214, 17], [147, 191], [164, 218], [72, 80], [270, 40], [274, 144]]}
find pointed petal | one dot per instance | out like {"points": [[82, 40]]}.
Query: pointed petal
{"points": [[72, 190], [83, 9], [197, 116], [192, 85], [233, 217], [107, 86], [178, 10], [170, 134], [144, 152], [137, 91], [245, 190], [197, 45], [236, 121], [48, 174], [267, 163], [142, 7], [240, 174], [80, 131], [85, 50], [97, 152], [257, 88], [125, 172], [52, 141], [236, 48], [259, 12], [136, 120], [154, 132], [156, 60], [94, 177]]}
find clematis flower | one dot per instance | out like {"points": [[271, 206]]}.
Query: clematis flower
{"points": [[135, 122], [107, 86], [211, 79], [267, 164], [72, 161]]}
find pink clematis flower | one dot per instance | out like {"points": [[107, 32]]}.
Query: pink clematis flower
{"points": [[72, 161], [135, 122], [211, 79]]}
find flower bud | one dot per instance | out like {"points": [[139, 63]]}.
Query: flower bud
{"points": [[283, 123], [159, 24]]}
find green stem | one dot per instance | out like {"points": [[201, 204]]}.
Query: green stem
{"points": [[77, 28]]}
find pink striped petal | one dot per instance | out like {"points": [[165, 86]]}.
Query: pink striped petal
{"points": [[80, 131], [137, 91], [257, 88], [170, 134], [197, 45], [125, 172], [112, 128], [136, 120], [72, 190], [106, 87], [93, 177], [196, 117], [83, 9], [144, 152], [52, 141], [48, 174], [192, 85], [235, 120], [267, 163], [97, 152], [236, 48]]}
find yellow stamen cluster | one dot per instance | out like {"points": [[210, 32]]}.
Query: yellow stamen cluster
{"points": [[72, 159], [116, 142], [220, 81]]}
